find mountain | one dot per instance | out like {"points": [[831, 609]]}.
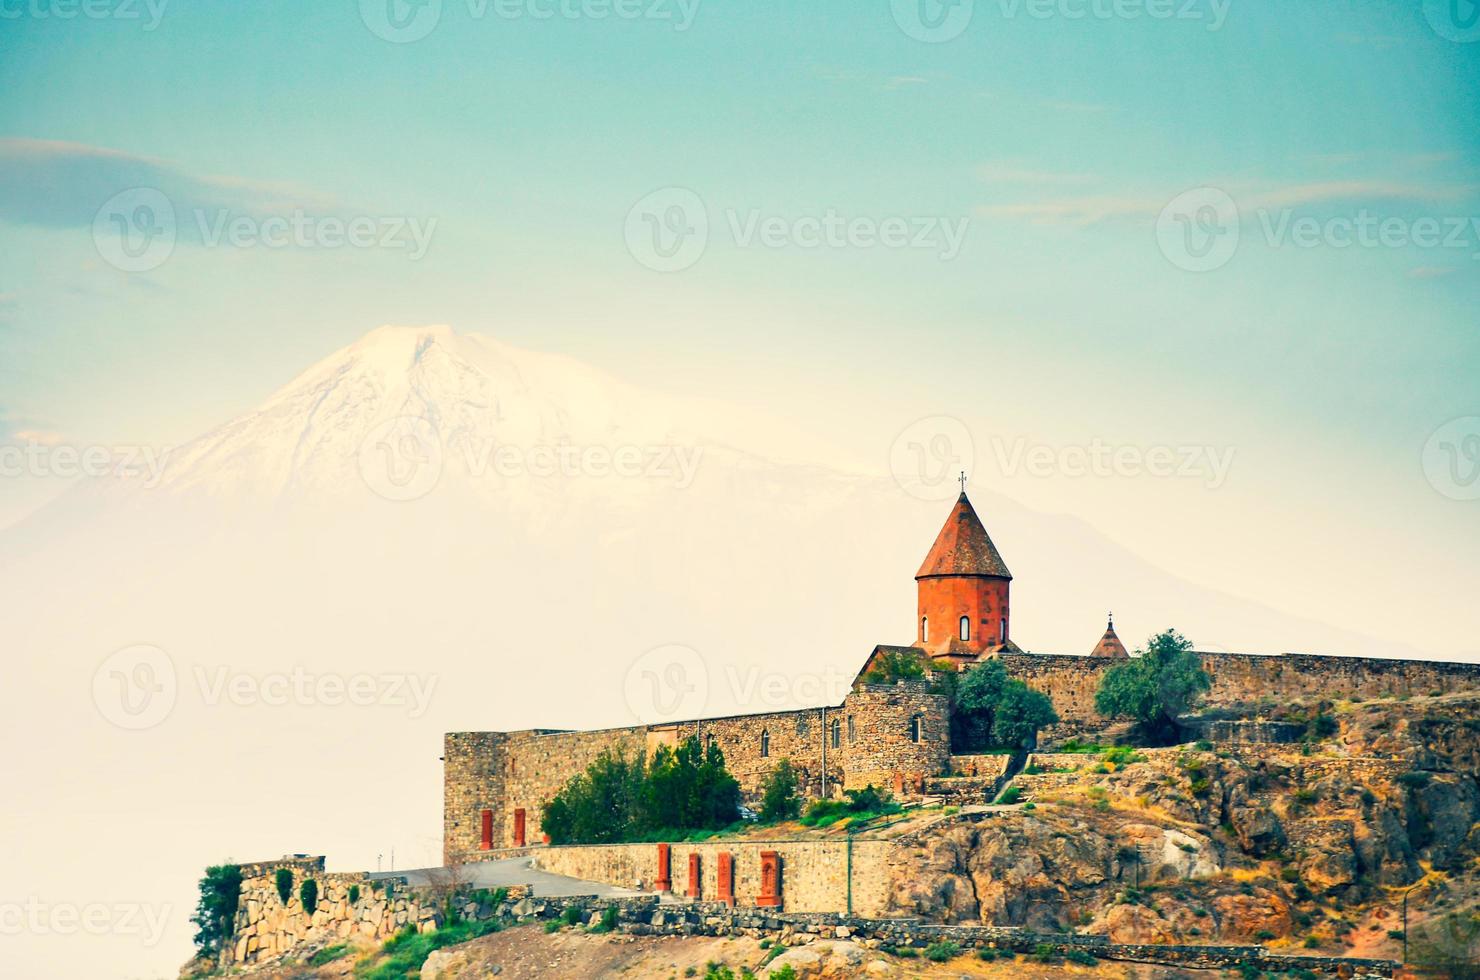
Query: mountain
{"points": [[471, 536]]}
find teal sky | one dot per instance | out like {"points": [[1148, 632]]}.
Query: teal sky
{"points": [[528, 141]]}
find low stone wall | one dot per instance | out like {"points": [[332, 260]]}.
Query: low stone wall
{"points": [[816, 876]]}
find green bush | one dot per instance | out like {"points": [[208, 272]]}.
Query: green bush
{"points": [[1204, 745], [1082, 958], [405, 952], [1010, 795], [284, 881], [894, 666], [779, 801], [1165, 681], [1416, 779], [1263, 936], [552, 926], [940, 952], [990, 710], [1044, 953], [718, 971], [354, 894], [308, 894], [786, 972], [572, 915], [329, 954], [215, 910], [986, 954], [608, 921]]}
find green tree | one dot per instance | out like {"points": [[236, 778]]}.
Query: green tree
{"points": [[215, 910], [779, 800], [1166, 680], [1021, 713], [308, 894], [599, 806], [284, 880], [895, 665], [989, 709]]}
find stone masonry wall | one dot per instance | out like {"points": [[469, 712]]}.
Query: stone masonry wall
{"points": [[266, 929], [1240, 678], [868, 739], [815, 875]]}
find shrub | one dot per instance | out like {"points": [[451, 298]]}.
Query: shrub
{"points": [[1010, 795], [308, 894], [215, 910], [986, 954], [786, 972], [718, 971], [354, 894], [1396, 934], [1043, 953], [1165, 681], [1311, 942], [608, 921], [1416, 779], [989, 709], [329, 954], [1081, 957], [1204, 745], [779, 801], [552, 926], [1123, 755], [940, 952], [284, 880], [572, 915], [894, 666], [1263, 936]]}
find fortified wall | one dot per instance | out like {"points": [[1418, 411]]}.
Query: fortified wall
{"points": [[496, 783], [1243, 679]]}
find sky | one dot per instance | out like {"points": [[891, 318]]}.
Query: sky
{"points": [[1037, 169], [1203, 275]]}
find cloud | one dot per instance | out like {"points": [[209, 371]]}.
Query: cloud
{"points": [[54, 184], [1085, 210], [1005, 173]]}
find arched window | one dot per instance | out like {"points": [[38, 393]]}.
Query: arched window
{"points": [[765, 743], [965, 627], [852, 731], [837, 733], [1004, 631], [915, 729], [924, 629]]}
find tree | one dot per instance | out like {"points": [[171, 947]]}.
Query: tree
{"points": [[895, 665], [1021, 712], [779, 801], [1163, 682], [684, 788], [215, 910], [989, 709]]}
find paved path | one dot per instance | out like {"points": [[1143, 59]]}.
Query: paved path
{"points": [[513, 871]]}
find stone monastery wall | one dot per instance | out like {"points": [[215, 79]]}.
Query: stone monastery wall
{"points": [[868, 739]]}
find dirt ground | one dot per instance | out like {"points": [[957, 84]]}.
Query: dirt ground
{"points": [[528, 953]]}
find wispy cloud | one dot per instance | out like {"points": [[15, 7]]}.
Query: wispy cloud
{"points": [[57, 184], [1008, 173], [1090, 209]]}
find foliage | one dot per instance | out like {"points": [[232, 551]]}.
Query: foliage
{"points": [[1166, 680], [718, 971], [1081, 957], [895, 665], [215, 910], [572, 915], [786, 972], [308, 894], [861, 805], [407, 950], [608, 921], [615, 800], [779, 800], [1009, 796], [990, 710], [284, 880], [1416, 779], [354, 894], [940, 952], [329, 954]]}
